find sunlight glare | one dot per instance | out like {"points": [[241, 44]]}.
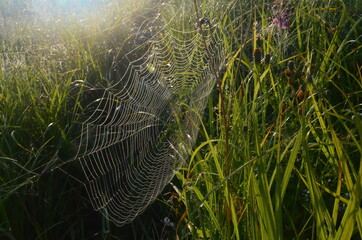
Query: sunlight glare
{"points": [[51, 8]]}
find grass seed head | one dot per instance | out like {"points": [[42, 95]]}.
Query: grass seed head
{"points": [[257, 56], [300, 95], [300, 111], [288, 72], [267, 58]]}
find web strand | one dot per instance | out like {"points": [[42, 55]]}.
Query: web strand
{"points": [[141, 130]]}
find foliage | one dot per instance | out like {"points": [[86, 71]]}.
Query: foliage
{"points": [[286, 163], [279, 151]]}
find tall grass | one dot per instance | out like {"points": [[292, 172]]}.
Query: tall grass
{"points": [[48, 69], [280, 144], [292, 103]]}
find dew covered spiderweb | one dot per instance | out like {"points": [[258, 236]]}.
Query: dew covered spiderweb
{"points": [[140, 130]]}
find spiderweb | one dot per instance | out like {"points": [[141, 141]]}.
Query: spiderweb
{"points": [[142, 127]]}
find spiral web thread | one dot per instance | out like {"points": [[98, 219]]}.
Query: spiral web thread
{"points": [[142, 128]]}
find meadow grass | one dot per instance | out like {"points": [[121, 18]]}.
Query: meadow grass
{"points": [[279, 148], [48, 67], [292, 103]]}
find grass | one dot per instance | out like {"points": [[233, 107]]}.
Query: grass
{"points": [[279, 147], [47, 71], [291, 160]]}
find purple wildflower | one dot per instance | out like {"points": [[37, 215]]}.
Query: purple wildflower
{"points": [[281, 20]]}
